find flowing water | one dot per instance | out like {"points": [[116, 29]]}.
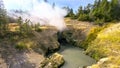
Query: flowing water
{"points": [[74, 57]]}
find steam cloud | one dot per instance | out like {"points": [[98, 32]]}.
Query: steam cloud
{"points": [[42, 13]]}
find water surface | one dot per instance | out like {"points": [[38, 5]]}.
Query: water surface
{"points": [[74, 57]]}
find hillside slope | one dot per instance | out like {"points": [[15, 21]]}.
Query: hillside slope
{"points": [[106, 46]]}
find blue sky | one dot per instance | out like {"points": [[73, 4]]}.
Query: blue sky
{"points": [[17, 4], [71, 3]]}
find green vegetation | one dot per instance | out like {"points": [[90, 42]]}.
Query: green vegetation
{"points": [[100, 12], [106, 43], [100, 42], [83, 15], [104, 40], [24, 44], [37, 28], [92, 34], [21, 46], [17, 33], [3, 20], [70, 13], [6, 26]]}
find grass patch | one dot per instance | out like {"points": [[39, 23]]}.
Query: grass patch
{"points": [[21, 46], [105, 44], [24, 44], [91, 36]]}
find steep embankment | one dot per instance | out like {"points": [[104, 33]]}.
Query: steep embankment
{"points": [[106, 47], [101, 43]]}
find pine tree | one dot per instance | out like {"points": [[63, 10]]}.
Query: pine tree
{"points": [[115, 9], [100, 12], [80, 11], [70, 12], [3, 19]]}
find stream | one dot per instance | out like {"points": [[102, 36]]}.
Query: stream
{"points": [[74, 57]]}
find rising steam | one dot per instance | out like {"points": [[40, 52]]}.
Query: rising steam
{"points": [[42, 13]]}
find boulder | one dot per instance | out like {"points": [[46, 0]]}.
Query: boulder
{"points": [[54, 61]]}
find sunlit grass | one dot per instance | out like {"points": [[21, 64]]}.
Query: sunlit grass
{"points": [[106, 43], [13, 27], [24, 44]]}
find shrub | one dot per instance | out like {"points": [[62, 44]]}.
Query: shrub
{"points": [[38, 29], [21, 46], [99, 22], [24, 44]]}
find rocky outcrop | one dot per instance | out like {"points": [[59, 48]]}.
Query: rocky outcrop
{"points": [[76, 33], [54, 61], [46, 41]]}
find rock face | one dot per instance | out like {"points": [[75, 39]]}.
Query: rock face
{"points": [[31, 52], [76, 33], [46, 41], [53, 61]]}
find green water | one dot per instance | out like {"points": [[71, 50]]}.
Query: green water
{"points": [[74, 57]]}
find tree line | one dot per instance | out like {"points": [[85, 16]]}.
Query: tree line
{"points": [[100, 12]]}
